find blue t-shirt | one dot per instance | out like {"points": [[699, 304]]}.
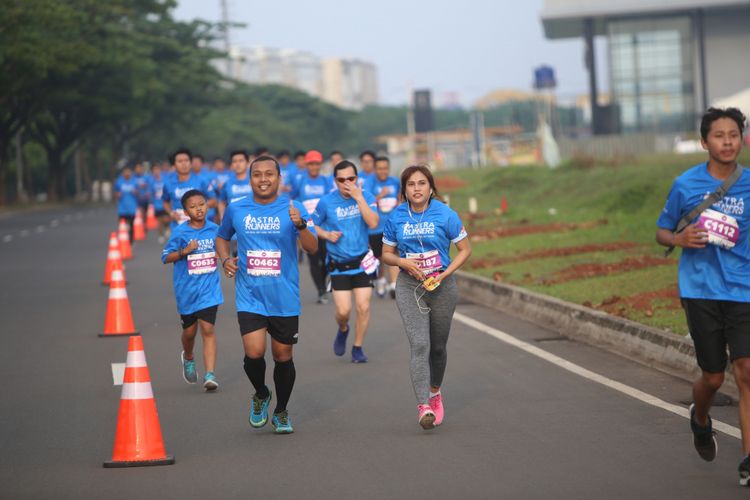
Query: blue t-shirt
{"points": [[288, 173], [174, 189], [157, 189], [388, 202], [267, 280], [127, 204], [336, 213], [195, 277], [220, 178], [143, 188], [425, 236], [363, 178], [234, 189], [712, 272], [309, 190]]}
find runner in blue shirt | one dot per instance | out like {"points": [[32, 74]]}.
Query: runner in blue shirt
{"points": [[143, 187], [343, 219], [366, 167], [288, 171], [386, 190], [127, 197], [237, 185], [220, 172], [714, 273], [200, 169], [157, 191], [309, 188], [197, 286], [180, 183], [417, 239], [266, 274]]}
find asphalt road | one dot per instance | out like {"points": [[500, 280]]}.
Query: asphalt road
{"points": [[516, 426]]}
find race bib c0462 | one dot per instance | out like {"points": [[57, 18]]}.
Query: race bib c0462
{"points": [[264, 263], [723, 230], [201, 263]]}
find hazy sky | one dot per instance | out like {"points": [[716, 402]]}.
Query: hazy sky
{"points": [[469, 47]]}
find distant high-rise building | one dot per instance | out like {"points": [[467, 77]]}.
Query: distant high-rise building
{"points": [[347, 83]]}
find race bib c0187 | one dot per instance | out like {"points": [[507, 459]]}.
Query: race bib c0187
{"points": [[264, 263], [723, 230], [428, 262], [201, 263]]}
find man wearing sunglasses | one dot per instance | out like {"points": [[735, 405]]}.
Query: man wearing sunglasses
{"points": [[343, 219]]}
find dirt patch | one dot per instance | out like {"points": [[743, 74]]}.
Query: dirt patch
{"points": [[523, 229], [596, 269], [446, 184], [643, 302], [490, 260]]}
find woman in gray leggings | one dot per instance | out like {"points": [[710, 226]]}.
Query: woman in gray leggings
{"points": [[417, 239]]}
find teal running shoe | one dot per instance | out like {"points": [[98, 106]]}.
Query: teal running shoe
{"points": [[209, 382], [259, 410], [281, 423], [188, 369]]}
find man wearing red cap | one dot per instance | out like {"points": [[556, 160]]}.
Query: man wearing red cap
{"points": [[308, 189]]}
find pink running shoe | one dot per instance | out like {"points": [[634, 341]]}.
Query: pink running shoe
{"points": [[436, 404], [426, 417]]}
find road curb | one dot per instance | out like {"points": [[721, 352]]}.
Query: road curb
{"points": [[656, 348]]}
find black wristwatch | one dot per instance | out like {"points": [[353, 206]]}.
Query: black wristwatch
{"points": [[302, 224]]}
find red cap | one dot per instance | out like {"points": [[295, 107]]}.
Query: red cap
{"points": [[313, 156]]}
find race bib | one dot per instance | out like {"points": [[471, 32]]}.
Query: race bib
{"points": [[369, 263], [182, 217], [311, 205], [264, 263], [428, 262], [201, 263], [387, 204], [723, 230]]}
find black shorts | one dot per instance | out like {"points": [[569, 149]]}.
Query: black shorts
{"points": [[283, 329], [715, 325], [208, 315], [350, 281], [376, 243], [161, 213]]}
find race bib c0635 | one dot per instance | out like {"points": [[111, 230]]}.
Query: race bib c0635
{"points": [[428, 262], [201, 263], [723, 230], [264, 263]]}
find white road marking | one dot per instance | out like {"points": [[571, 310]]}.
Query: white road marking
{"points": [[54, 223], [40, 229], [118, 373], [588, 374], [24, 233], [7, 238]]}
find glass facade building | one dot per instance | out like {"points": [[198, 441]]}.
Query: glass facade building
{"points": [[652, 73]]}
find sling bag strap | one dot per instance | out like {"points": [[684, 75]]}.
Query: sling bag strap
{"points": [[710, 200]]}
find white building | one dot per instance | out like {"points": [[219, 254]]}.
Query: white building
{"points": [[347, 83]]}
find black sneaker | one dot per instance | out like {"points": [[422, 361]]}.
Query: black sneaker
{"points": [[744, 469], [704, 438]]}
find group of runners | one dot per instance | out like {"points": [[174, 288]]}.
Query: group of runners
{"points": [[362, 228]]}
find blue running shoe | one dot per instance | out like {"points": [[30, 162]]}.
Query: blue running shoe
{"points": [[281, 423], [358, 356], [259, 410], [188, 369], [339, 344], [209, 382]]}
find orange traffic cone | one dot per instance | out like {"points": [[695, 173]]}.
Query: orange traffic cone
{"points": [[138, 439], [139, 233], [126, 251], [151, 222], [119, 319], [113, 256]]}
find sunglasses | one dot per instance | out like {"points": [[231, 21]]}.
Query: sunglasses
{"points": [[346, 179]]}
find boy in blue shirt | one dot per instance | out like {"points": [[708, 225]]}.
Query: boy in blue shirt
{"points": [[343, 219], [714, 273], [386, 189], [126, 193], [266, 274], [197, 286]]}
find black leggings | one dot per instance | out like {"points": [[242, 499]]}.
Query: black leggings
{"points": [[318, 266]]}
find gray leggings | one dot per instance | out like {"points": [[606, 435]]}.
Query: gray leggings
{"points": [[427, 331]]}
